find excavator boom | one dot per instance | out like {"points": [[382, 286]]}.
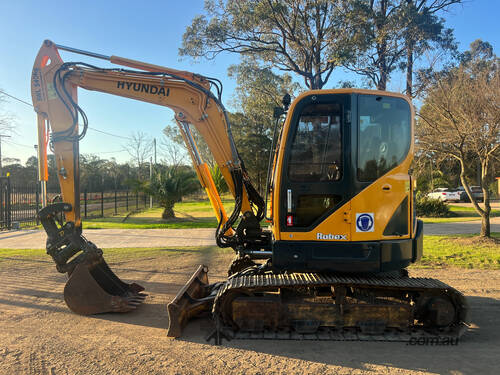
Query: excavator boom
{"points": [[93, 287]]}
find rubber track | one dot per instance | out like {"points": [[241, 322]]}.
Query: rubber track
{"points": [[256, 283]]}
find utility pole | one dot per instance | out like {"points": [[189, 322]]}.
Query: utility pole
{"points": [[37, 170], [151, 179], [154, 143], [5, 136]]}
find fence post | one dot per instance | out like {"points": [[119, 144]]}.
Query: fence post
{"points": [[145, 200], [37, 204], [136, 200], [9, 213], [116, 212], [85, 203], [102, 202], [127, 202]]}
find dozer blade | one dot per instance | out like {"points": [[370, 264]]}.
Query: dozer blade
{"points": [[94, 289], [195, 297]]}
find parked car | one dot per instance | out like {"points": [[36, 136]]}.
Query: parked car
{"points": [[476, 191], [445, 195]]}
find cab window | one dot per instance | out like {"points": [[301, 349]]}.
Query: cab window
{"points": [[316, 152], [384, 135]]}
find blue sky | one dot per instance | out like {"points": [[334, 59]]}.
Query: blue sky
{"points": [[149, 31]]}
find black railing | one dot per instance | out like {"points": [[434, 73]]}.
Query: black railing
{"points": [[24, 204], [19, 204], [5, 203], [109, 203]]}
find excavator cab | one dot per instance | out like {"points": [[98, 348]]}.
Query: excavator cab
{"points": [[342, 192]]}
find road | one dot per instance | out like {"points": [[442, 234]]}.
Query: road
{"points": [[106, 238], [466, 227]]}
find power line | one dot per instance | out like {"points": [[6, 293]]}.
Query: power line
{"points": [[18, 144], [110, 152], [110, 134], [96, 130], [19, 100]]}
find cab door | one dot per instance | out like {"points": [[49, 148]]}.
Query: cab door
{"points": [[381, 210], [315, 178]]}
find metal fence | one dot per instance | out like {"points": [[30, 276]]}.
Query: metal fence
{"points": [[108, 203], [4, 203], [19, 204]]}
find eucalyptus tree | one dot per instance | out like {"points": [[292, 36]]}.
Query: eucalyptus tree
{"points": [[309, 38]]}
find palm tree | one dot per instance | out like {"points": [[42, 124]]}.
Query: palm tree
{"points": [[218, 178], [168, 186]]}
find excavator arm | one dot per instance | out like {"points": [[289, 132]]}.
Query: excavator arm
{"points": [[54, 87]]}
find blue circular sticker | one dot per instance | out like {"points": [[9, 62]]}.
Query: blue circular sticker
{"points": [[364, 222]]}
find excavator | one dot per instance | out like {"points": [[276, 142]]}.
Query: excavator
{"points": [[340, 203]]}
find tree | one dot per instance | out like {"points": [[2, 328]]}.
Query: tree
{"points": [[259, 90], [169, 185], [174, 154], [218, 178], [92, 172], [173, 134], [460, 118], [393, 34], [139, 148], [7, 161], [381, 45], [307, 37], [423, 30], [6, 120]]}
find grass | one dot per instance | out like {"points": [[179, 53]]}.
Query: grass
{"points": [[199, 214], [460, 214], [191, 214], [461, 250]]}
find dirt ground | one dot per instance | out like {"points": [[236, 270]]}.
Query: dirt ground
{"points": [[39, 335]]}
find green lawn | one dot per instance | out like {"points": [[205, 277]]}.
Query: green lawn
{"points": [[459, 214], [464, 251], [191, 214]]}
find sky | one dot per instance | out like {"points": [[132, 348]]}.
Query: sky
{"points": [[150, 31]]}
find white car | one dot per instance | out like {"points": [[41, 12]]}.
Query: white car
{"points": [[445, 195]]}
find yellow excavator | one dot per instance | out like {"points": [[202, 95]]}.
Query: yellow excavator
{"points": [[339, 199]]}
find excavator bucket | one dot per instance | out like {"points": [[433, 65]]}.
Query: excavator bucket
{"points": [[92, 287], [96, 289], [194, 298]]}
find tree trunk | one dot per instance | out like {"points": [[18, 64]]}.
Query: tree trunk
{"points": [[485, 214], [168, 212], [409, 69], [485, 220], [485, 226], [382, 51], [382, 83]]}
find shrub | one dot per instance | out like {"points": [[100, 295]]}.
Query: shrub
{"points": [[428, 207]]}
